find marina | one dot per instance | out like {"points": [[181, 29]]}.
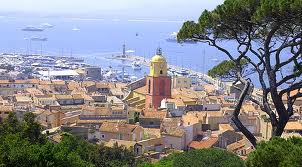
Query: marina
{"points": [[61, 67]]}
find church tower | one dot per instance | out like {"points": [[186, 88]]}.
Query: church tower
{"points": [[158, 83]]}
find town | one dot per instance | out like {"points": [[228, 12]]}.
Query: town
{"points": [[154, 115]]}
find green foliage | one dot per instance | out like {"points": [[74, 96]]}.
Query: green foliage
{"points": [[22, 144], [277, 152], [208, 158], [226, 69], [115, 156], [202, 158], [234, 18]]}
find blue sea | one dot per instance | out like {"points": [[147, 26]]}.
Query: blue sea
{"points": [[98, 38]]}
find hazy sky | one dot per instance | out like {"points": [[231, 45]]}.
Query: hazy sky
{"points": [[157, 8]]}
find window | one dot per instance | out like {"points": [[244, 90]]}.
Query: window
{"points": [[151, 123], [103, 136], [120, 136], [137, 150], [149, 86], [161, 71]]}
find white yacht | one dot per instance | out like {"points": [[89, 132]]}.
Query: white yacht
{"points": [[136, 65], [32, 28], [46, 25]]}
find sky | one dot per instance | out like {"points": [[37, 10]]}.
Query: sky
{"points": [[131, 8]]}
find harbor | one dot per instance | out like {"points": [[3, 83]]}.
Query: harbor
{"points": [[174, 70], [131, 68]]}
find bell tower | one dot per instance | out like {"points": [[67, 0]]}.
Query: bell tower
{"points": [[158, 82]]}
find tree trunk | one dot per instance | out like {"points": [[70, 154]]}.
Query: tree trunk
{"points": [[235, 118], [280, 127]]}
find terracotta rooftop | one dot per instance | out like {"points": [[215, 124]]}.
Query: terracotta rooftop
{"points": [[72, 85], [172, 127], [96, 121], [225, 127], [152, 132], [208, 143], [102, 85], [292, 93], [141, 90], [154, 114], [87, 83], [63, 97], [117, 127], [186, 94], [236, 145], [34, 91], [5, 108], [58, 82], [293, 126], [28, 81]]}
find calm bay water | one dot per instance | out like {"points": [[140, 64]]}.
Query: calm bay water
{"points": [[98, 38]]}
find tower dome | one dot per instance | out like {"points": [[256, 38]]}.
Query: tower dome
{"points": [[158, 57], [158, 64]]}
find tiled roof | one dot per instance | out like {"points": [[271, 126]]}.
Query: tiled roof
{"points": [[58, 82], [141, 90], [34, 91], [5, 108], [102, 85], [292, 93], [29, 81], [77, 96], [293, 126], [152, 132], [236, 145], [208, 143], [61, 97], [172, 127], [154, 114], [117, 127], [225, 127]]}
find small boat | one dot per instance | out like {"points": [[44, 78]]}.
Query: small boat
{"points": [[133, 78], [32, 28], [75, 29], [183, 72], [46, 25], [38, 39], [216, 60], [172, 70], [173, 38], [136, 65]]}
